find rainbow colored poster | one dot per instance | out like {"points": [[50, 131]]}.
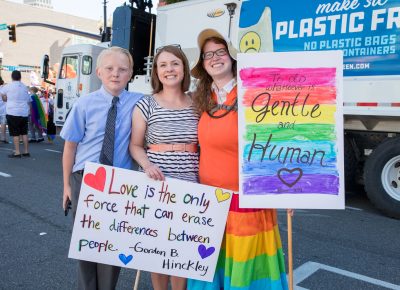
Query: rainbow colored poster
{"points": [[291, 130]]}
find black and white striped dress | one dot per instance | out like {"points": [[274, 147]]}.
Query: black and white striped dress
{"points": [[167, 126]]}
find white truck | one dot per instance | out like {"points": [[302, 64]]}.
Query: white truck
{"points": [[76, 77], [366, 30]]}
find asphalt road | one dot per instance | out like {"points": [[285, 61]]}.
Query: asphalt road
{"points": [[357, 248]]}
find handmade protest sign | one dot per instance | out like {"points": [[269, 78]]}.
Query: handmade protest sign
{"points": [[126, 219], [291, 130]]}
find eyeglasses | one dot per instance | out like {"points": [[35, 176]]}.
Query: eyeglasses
{"points": [[210, 54], [161, 48]]}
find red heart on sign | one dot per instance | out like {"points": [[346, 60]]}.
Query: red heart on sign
{"points": [[98, 180]]}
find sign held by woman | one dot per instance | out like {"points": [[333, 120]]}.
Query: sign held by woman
{"points": [[291, 130]]}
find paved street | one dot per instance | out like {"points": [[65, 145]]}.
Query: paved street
{"points": [[353, 249]]}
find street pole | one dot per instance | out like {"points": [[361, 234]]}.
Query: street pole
{"points": [[231, 9], [106, 32], [105, 16]]}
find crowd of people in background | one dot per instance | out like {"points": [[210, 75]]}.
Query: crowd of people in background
{"points": [[24, 109]]}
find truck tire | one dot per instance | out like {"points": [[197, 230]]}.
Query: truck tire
{"points": [[382, 177]]}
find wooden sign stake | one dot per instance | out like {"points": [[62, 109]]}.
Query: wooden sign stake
{"points": [[290, 249], [135, 287]]}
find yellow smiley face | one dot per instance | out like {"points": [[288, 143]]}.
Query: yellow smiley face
{"points": [[250, 42]]}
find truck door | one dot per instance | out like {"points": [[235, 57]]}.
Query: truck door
{"points": [[67, 87]]}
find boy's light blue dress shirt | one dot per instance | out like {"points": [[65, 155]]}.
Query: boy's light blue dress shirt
{"points": [[86, 124]]}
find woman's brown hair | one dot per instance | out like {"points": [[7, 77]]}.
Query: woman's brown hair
{"points": [[202, 95], [155, 81]]}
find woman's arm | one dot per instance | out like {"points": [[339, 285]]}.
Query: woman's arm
{"points": [[136, 146]]}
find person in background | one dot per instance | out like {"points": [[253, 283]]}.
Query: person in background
{"points": [[37, 120], [3, 122], [164, 131], [18, 104], [84, 133], [251, 256], [48, 106]]}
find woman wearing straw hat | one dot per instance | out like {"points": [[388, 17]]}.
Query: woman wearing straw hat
{"points": [[251, 254]]}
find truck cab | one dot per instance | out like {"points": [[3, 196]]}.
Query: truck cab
{"points": [[76, 77], [133, 30]]}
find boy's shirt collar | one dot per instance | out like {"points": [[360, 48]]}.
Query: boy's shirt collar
{"points": [[109, 96]]}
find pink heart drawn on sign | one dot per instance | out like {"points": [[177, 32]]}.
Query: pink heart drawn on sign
{"points": [[97, 180]]}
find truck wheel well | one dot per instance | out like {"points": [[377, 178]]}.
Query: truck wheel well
{"points": [[382, 177]]}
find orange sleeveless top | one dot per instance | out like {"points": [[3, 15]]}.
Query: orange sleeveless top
{"points": [[218, 138]]}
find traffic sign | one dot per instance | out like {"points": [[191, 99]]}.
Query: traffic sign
{"points": [[3, 26]]}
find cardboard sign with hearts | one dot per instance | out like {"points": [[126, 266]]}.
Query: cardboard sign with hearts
{"points": [[291, 130], [126, 219]]}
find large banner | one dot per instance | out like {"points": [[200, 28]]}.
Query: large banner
{"points": [[291, 130], [367, 31], [126, 219]]}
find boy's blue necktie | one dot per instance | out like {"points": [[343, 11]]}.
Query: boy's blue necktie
{"points": [[107, 150]]}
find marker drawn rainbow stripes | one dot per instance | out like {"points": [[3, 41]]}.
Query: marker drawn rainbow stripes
{"points": [[303, 157]]}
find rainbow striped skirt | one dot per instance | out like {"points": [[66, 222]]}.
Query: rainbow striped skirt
{"points": [[251, 256]]}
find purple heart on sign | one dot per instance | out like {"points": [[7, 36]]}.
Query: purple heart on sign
{"points": [[204, 252]]}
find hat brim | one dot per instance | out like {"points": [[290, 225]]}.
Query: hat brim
{"points": [[201, 39]]}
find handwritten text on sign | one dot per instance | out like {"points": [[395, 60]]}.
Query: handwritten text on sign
{"points": [[291, 129], [126, 219]]}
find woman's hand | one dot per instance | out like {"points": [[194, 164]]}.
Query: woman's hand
{"points": [[154, 172]]}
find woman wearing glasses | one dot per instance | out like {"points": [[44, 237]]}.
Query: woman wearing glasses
{"points": [[165, 123], [251, 254]]}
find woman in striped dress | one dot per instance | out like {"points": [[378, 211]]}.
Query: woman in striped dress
{"points": [[165, 123], [251, 256]]}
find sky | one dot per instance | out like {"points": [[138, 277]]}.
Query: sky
{"points": [[92, 9]]}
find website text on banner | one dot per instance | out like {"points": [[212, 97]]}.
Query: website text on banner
{"points": [[367, 31]]}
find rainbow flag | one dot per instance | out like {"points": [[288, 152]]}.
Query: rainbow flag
{"points": [[38, 115]]}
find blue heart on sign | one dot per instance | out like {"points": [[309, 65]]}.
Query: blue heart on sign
{"points": [[205, 252], [125, 259]]}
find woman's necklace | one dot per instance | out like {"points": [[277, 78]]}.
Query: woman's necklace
{"points": [[227, 108]]}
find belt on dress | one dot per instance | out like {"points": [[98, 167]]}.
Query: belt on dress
{"points": [[178, 147]]}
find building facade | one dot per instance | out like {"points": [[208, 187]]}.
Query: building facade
{"points": [[33, 42], [39, 3]]}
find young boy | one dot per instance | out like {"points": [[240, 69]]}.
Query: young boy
{"points": [[83, 133]]}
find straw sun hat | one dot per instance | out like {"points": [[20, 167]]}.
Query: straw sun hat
{"points": [[201, 39]]}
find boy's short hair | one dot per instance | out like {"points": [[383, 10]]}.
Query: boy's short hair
{"points": [[34, 90], [114, 49], [16, 75]]}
